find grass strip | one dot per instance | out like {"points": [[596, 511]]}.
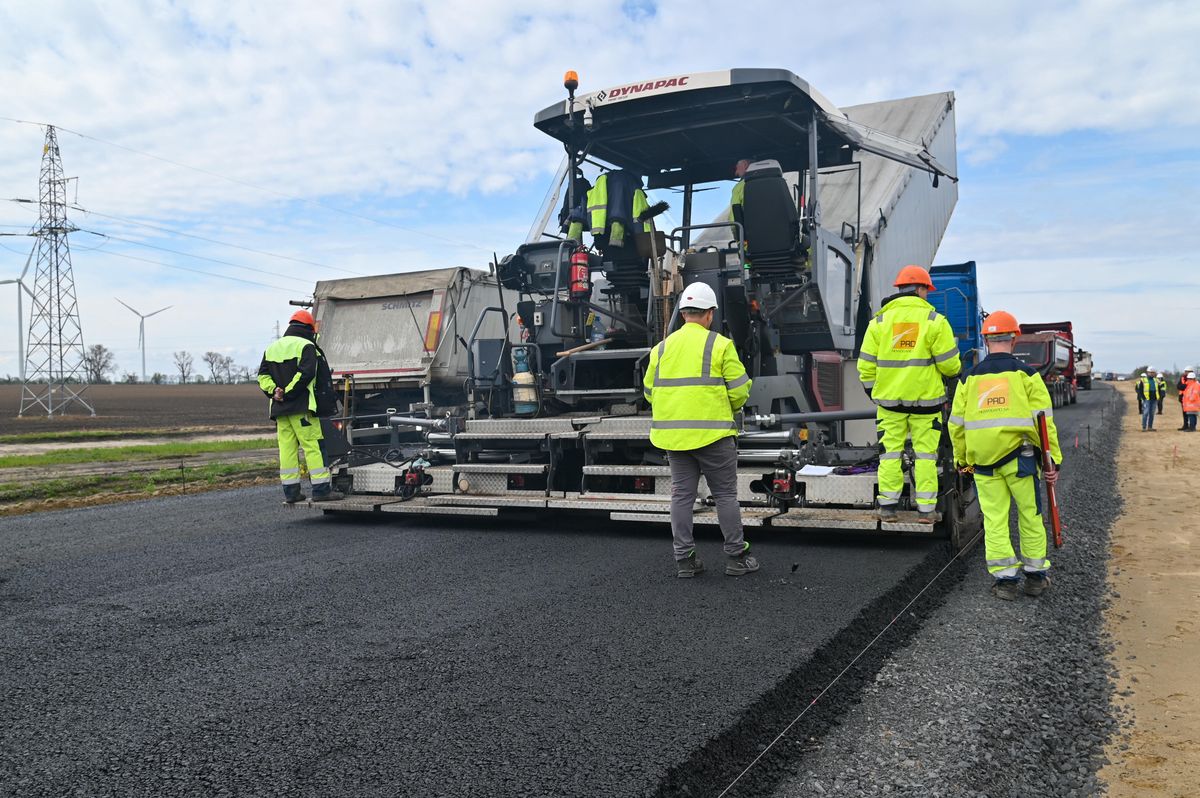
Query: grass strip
{"points": [[66, 436], [154, 451], [144, 482]]}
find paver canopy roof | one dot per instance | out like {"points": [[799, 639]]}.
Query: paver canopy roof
{"points": [[693, 128]]}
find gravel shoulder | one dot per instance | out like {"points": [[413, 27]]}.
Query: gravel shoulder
{"points": [[992, 698], [1155, 612]]}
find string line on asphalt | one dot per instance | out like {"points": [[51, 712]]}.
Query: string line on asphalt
{"points": [[846, 669]]}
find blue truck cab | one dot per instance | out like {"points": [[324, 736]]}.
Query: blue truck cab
{"points": [[956, 296]]}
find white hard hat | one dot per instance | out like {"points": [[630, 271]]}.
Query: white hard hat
{"points": [[699, 296], [1191, 375], [1161, 374]]}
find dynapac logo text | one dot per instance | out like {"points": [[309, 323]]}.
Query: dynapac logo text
{"points": [[639, 88]]}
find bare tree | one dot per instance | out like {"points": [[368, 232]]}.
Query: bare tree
{"points": [[215, 361], [98, 361], [183, 363], [227, 368]]}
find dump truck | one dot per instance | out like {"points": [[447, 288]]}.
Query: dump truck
{"points": [[836, 202], [1049, 348], [1083, 369]]}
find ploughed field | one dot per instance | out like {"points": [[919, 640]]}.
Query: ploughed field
{"points": [[145, 407]]}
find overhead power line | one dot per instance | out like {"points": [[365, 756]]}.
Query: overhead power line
{"points": [[256, 187], [196, 271], [190, 255], [213, 241]]}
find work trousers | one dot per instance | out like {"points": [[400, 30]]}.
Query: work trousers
{"points": [[295, 432], [1189, 421], [996, 493], [894, 428], [717, 462], [1148, 408]]}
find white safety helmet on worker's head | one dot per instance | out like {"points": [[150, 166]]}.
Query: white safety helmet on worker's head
{"points": [[697, 296], [1161, 374], [1191, 375]]}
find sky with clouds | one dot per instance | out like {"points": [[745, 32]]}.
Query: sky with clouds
{"points": [[326, 140]]}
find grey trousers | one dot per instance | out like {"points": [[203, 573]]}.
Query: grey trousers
{"points": [[718, 463]]}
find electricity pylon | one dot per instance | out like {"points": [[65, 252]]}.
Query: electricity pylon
{"points": [[55, 375]]}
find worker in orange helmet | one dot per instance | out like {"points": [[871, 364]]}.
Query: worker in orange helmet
{"points": [[993, 427], [908, 351], [289, 374]]}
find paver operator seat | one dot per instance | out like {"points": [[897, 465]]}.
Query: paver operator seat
{"points": [[769, 218]]}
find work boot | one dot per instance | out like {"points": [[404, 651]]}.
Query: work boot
{"points": [[888, 513], [328, 496], [1006, 589], [741, 564], [292, 494], [1036, 583], [689, 566], [926, 517]]}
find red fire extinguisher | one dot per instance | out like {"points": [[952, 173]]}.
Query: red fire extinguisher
{"points": [[581, 276]]}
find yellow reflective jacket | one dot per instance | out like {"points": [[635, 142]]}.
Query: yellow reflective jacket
{"points": [[907, 350], [995, 411], [597, 213], [737, 199], [694, 384]]}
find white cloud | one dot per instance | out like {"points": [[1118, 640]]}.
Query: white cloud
{"points": [[418, 114]]}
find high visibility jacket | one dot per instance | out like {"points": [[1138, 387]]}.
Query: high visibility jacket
{"points": [[290, 363], [907, 349], [737, 199], [995, 412], [1191, 397], [603, 209], [1162, 388], [694, 384], [1147, 389]]}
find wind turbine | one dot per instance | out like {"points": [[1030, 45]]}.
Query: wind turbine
{"points": [[21, 289], [142, 332]]}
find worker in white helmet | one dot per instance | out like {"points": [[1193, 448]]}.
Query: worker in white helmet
{"points": [[1180, 384], [694, 383], [1161, 379], [1147, 394]]}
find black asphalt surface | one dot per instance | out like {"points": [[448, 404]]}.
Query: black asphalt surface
{"points": [[223, 644]]}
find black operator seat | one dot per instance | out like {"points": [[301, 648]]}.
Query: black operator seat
{"points": [[769, 216]]}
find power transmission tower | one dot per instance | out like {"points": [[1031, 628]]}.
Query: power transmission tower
{"points": [[55, 377]]}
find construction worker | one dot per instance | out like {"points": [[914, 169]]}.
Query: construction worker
{"points": [[739, 189], [1179, 387], [1190, 397], [907, 351], [993, 426], [1147, 394], [694, 383], [288, 375], [1162, 390]]}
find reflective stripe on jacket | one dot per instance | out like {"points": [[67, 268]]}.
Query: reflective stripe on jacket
{"points": [[907, 349], [1191, 397], [694, 384], [995, 411], [290, 363]]}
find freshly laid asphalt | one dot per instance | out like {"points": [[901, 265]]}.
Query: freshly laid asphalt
{"points": [[224, 644]]}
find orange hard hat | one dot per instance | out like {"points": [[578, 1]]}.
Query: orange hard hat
{"points": [[1001, 323], [303, 317], [913, 275]]}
